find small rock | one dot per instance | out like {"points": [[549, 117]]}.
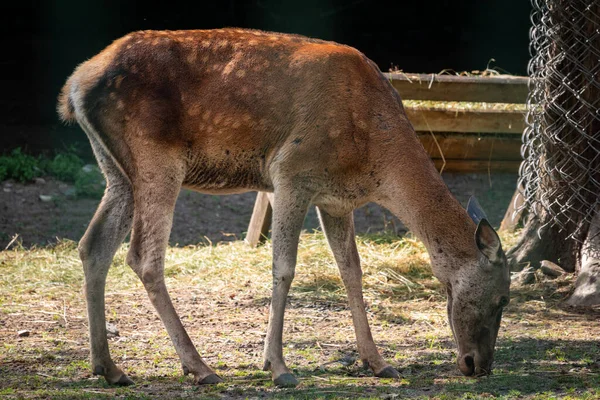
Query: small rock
{"points": [[23, 333], [525, 277], [45, 198], [40, 181], [348, 360], [70, 192], [550, 269], [111, 330], [88, 168], [7, 190]]}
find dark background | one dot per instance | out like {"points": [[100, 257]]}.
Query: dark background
{"points": [[43, 41]]}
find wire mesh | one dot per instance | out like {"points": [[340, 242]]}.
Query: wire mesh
{"points": [[561, 144]]}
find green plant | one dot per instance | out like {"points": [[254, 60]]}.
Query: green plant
{"points": [[89, 182], [65, 166], [19, 166]]}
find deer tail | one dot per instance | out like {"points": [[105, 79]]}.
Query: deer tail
{"points": [[65, 107]]}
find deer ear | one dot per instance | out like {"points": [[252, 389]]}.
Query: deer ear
{"points": [[475, 211], [487, 240]]}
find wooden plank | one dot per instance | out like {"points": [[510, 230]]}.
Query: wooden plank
{"points": [[488, 89], [260, 222], [468, 121], [471, 146], [473, 166]]}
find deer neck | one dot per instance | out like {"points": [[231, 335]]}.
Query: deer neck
{"points": [[430, 212]]}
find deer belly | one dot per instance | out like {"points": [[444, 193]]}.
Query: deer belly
{"points": [[225, 176]]}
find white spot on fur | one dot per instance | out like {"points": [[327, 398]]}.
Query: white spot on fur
{"points": [[118, 81], [232, 63], [191, 58], [194, 110]]}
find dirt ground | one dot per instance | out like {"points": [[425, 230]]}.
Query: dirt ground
{"points": [[222, 294], [201, 218]]}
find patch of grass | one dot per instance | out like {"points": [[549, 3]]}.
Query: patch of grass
{"points": [[65, 166], [222, 294], [89, 182], [19, 166]]}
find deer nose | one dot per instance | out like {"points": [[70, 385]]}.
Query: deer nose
{"points": [[466, 364]]}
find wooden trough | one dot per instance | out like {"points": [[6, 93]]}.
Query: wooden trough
{"points": [[466, 123]]}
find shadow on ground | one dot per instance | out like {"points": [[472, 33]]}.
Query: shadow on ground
{"points": [[523, 367]]}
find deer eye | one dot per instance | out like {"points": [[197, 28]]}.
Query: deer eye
{"points": [[503, 302]]}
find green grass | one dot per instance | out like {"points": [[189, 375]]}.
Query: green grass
{"points": [[19, 166], [222, 294]]}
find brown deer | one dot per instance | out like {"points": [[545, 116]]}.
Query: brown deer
{"points": [[232, 110]]}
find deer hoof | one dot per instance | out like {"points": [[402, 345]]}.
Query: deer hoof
{"points": [[286, 380], [114, 377], [123, 381], [388, 372], [210, 380]]}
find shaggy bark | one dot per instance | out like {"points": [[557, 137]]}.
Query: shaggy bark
{"points": [[543, 241]]}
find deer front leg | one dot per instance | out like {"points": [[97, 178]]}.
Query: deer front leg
{"points": [[289, 210], [340, 235]]}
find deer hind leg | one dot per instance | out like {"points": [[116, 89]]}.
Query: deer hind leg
{"points": [[340, 235], [155, 197], [289, 210], [104, 235]]}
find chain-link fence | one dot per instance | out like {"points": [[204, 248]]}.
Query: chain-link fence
{"points": [[561, 145]]}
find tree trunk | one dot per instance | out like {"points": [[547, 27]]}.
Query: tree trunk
{"points": [[514, 213], [587, 286], [543, 241], [561, 171]]}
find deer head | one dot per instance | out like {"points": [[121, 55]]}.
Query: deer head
{"points": [[477, 297]]}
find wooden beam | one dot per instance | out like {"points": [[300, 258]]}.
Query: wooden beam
{"points": [[458, 120], [471, 146], [472, 166], [488, 89], [260, 222]]}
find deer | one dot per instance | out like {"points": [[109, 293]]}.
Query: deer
{"points": [[312, 122]]}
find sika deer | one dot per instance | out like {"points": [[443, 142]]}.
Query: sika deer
{"points": [[231, 110]]}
